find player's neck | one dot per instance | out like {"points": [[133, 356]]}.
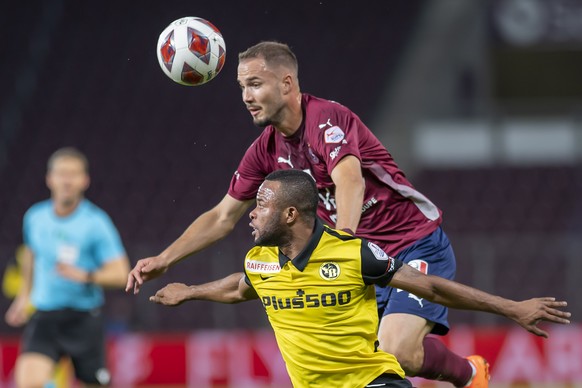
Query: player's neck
{"points": [[292, 119], [298, 242]]}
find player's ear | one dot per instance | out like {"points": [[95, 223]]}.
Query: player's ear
{"points": [[291, 214], [87, 182], [287, 84]]}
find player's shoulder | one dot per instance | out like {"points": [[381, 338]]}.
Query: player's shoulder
{"points": [[319, 107], [341, 235], [261, 253]]}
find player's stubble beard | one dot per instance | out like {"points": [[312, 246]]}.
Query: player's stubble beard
{"points": [[273, 234], [273, 119]]}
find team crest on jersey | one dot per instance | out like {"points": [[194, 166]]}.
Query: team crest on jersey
{"points": [[334, 135], [313, 157], [329, 271]]}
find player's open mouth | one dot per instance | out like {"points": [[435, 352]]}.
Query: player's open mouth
{"points": [[255, 231]]}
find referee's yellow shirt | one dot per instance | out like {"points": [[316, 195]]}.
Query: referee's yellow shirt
{"points": [[322, 308]]}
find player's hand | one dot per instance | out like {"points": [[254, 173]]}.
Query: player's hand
{"points": [[17, 314], [144, 270], [171, 295], [529, 313]]}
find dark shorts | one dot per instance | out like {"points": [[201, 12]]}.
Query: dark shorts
{"points": [[76, 334], [389, 380], [432, 255]]}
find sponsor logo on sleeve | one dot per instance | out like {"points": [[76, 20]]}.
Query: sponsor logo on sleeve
{"points": [[378, 252], [334, 135], [333, 154]]}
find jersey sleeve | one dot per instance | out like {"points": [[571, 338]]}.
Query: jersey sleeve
{"points": [[251, 172], [377, 267], [108, 245], [340, 138], [247, 279]]}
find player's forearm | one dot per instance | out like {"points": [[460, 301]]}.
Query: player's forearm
{"points": [[207, 229], [349, 192], [349, 212], [449, 293], [349, 198], [225, 290], [459, 296]]}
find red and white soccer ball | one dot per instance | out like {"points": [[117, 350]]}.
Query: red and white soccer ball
{"points": [[191, 51]]}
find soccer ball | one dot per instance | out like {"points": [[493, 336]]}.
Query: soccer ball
{"points": [[191, 51]]}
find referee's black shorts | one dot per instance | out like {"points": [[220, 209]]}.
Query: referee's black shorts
{"points": [[77, 334]]}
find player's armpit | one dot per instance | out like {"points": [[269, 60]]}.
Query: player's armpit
{"points": [[246, 292]]}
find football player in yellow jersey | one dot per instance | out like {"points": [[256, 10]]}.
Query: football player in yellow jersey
{"points": [[316, 284]]}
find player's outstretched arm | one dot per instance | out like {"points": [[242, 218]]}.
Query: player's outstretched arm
{"points": [[208, 228], [231, 289], [527, 313]]}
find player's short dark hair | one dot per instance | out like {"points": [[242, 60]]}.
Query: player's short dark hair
{"points": [[298, 189], [274, 53], [68, 152]]}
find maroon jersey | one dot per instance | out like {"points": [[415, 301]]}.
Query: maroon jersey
{"points": [[394, 214]]}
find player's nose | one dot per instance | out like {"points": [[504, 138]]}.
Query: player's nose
{"points": [[247, 96]]}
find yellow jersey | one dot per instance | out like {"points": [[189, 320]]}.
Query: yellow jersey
{"points": [[322, 307]]}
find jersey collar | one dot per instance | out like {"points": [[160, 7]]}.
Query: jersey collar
{"points": [[300, 262]]}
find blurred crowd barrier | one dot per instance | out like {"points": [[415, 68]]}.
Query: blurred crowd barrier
{"points": [[251, 359]]}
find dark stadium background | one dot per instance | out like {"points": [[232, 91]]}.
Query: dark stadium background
{"points": [[85, 74]]}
